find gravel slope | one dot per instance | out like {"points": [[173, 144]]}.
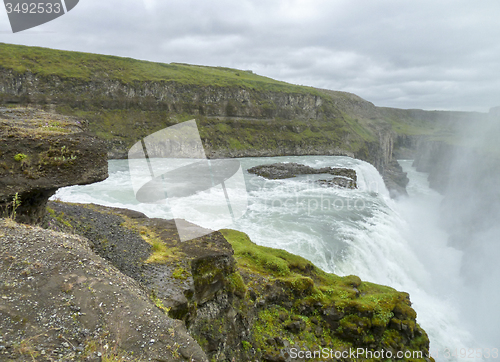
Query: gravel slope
{"points": [[59, 301]]}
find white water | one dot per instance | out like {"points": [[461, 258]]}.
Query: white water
{"points": [[361, 232]]}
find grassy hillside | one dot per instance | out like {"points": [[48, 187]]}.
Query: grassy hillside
{"points": [[87, 66], [238, 112]]}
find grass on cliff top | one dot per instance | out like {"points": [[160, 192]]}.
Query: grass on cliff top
{"points": [[88, 66], [366, 307], [301, 274]]}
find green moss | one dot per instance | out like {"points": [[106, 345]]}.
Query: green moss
{"points": [[246, 345], [267, 261], [180, 273], [272, 323], [236, 284], [365, 311], [58, 156], [161, 253], [59, 217], [159, 303], [19, 157]]}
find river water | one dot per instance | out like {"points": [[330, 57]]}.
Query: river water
{"points": [[362, 232]]}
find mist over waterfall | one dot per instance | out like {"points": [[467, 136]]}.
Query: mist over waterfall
{"points": [[471, 213]]}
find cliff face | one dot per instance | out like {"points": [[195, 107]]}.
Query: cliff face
{"points": [[168, 96], [238, 113], [39, 153], [434, 157], [234, 122]]}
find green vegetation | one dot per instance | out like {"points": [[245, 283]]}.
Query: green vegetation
{"points": [[19, 157], [59, 217], [161, 253], [239, 137], [246, 345], [320, 309], [58, 156], [87, 66], [158, 302], [106, 353], [180, 273], [301, 276], [16, 202], [244, 136]]}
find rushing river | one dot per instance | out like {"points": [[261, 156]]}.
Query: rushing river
{"points": [[361, 232]]}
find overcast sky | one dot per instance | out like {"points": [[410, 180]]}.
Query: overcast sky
{"points": [[429, 54]]}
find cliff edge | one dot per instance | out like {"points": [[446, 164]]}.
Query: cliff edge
{"points": [[241, 301], [104, 284]]}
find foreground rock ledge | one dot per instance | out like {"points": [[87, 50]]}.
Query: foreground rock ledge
{"points": [[62, 302], [41, 152], [241, 301]]}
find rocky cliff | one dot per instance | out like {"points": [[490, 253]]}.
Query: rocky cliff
{"points": [[238, 113], [41, 152], [241, 301]]}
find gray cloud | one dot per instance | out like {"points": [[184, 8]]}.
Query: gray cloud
{"points": [[419, 54]]}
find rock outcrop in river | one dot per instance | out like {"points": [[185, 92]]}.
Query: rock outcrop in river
{"points": [[344, 177]]}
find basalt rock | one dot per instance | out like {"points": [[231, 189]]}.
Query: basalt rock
{"points": [[39, 153], [395, 179], [343, 182], [345, 177]]}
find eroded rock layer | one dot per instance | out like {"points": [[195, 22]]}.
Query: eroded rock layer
{"points": [[39, 153]]}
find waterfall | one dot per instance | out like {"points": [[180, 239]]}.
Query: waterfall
{"points": [[363, 232]]}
